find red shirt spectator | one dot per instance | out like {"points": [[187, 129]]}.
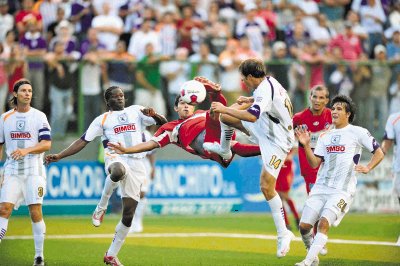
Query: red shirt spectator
{"points": [[349, 43], [26, 15]]}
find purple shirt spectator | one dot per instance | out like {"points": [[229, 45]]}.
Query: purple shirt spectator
{"points": [[87, 46], [34, 42], [85, 21]]}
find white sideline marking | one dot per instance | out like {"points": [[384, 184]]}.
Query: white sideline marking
{"points": [[182, 235]]}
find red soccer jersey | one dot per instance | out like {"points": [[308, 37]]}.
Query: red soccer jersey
{"points": [[316, 124]]}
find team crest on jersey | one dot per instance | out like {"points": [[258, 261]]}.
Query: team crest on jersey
{"points": [[335, 139], [20, 125], [123, 118], [335, 147], [316, 123]]}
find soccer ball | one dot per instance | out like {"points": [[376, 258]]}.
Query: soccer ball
{"points": [[193, 92]]}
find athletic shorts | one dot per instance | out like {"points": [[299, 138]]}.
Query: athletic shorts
{"points": [[17, 189], [322, 198], [135, 175], [273, 157]]}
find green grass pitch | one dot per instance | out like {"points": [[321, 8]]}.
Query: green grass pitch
{"points": [[65, 246]]}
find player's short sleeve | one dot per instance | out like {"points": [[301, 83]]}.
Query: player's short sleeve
{"points": [[262, 99], [43, 127], [319, 150], [162, 137], [389, 128], [366, 139], [94, 130]]}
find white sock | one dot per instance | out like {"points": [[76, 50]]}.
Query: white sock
{"points": [[319, 242], [3, 227], [141, 207], [307, 239], [121, 231], [109, 187], [39, 231], [277, 214], [226, 137]]}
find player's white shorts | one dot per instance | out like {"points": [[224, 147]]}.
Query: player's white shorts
{"points": [[22, 188], [396, 184], [135, 175], [326, 202], [273, 157]]}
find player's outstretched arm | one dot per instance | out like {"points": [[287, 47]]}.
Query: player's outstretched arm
{"points": [[42, 146], [239, 114], [75, 147], [375, 160], [160, 119], [303, 135], [142, 147]]}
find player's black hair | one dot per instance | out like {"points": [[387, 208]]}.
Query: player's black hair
{"points": [[349, 105], [254, 67], [16, 86], [108, 92], [320, 88], [177, 100]]}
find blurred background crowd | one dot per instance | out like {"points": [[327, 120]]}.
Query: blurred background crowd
{"points": [[72, 50]]}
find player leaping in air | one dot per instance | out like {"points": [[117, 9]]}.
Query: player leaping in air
{"points": [[192, 129]]}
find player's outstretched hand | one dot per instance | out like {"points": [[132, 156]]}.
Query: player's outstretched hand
{"points": [[51, 158], [244, 100], [217, 107], [148, 111], [362, 169], [210, 85], [303, 135], [117, 147]]}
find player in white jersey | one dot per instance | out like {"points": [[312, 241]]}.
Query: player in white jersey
{"points": [[339, 151], [392, 135], [267, 117], [118, 125], [26, 133]]}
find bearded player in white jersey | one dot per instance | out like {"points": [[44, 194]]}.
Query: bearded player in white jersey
{"points": [[267, 118], [339, 151], [118, 125], [26, 133]]}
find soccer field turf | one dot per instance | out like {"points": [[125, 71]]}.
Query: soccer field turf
{"points": [[236, 239]]}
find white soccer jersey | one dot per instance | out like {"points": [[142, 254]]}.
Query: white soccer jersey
{"points": [[123, 126], [341, 151], [392, 132], [23, 130], [274, 111]]}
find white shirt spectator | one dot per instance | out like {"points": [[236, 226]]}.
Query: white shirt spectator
{"points": [[6, 24], [139, 40], [255, 31], [310, 8], [368, 22], [109, 39]]}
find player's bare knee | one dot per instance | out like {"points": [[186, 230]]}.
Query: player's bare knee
{"points": [[36, 213], [5, 210], [117, 171], [323, 225], [128, 210], [305, 228]]}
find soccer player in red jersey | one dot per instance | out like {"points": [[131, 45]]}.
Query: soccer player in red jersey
{"points": [[283, 185], [316, 119], [192, 129]]}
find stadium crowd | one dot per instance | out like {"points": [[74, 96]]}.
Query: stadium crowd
{"points": [[69, 48]]}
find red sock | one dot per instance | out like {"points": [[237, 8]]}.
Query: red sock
{"points": [[246, 150], [293, 208], [285, 215]]}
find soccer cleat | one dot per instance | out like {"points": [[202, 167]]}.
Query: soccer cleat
{"points": [[98, 216], [323, 251], [38, 261], [110, 260], [284, 244], [216, 148], [208, 84], [315, 262]]}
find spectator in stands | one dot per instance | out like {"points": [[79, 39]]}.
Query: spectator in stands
{"points": [[229, 62], [61, 92], [253, 27], [82, 13], [217, 34], [92, 73], [265, 10], [8, 42], [176, 72], [279, 67], [323, 33], [16, 68], [188, 29], [165, 6], [314, 59], [142, 37], [168, 34], [378, 101], [3, 80], [204, 63], [372, 19], [108, 26], [297, 39], [348, 42], [51, 29], [35, 46], [6, 19], [310, 10], [334, 11], [64, 33], [394, 92], [121, 72], [26, 15], [393, 52], [148, 79], [244, 51], [48, 10]]}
